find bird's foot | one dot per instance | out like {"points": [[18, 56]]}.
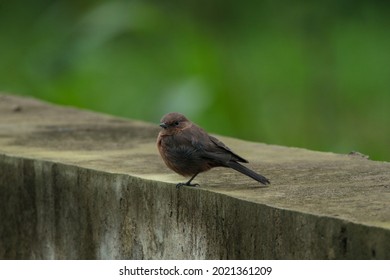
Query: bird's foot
{"points": [[178, 186]]}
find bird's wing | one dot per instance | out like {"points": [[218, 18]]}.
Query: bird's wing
{"points": [[209, 146], [225, 149]]}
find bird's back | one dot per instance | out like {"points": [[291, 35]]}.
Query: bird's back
{"points": [[212, 149]]}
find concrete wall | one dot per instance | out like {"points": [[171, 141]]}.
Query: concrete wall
{"points": [[81, 185]]}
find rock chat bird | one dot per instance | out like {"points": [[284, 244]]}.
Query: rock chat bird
{"points": [[188, 150]]}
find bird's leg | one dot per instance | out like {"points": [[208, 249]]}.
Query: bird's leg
{"points": [[188, 183]]}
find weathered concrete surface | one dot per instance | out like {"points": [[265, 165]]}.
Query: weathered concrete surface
{"points": [[81, 185]]}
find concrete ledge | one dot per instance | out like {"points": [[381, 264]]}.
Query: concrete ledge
{"points": [[81, 185]]}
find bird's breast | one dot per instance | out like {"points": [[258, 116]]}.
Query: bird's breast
{"points": [[181, 156]]}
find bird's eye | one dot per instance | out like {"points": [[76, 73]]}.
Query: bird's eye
{"points": [[176, 123]]}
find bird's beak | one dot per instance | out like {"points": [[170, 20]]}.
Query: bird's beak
{"points": [[163, 125]]}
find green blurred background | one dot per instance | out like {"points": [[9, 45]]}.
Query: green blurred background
{"points": [[313, 74]]}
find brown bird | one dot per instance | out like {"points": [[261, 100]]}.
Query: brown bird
{"points": [[188, 150]]}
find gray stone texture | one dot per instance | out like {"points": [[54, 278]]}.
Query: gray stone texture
{"points": [[81, 185]]}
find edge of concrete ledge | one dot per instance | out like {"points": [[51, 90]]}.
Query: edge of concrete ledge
{"points": [[83, 185]]}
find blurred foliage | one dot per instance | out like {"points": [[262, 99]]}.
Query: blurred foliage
{"points": [[298, 73]]}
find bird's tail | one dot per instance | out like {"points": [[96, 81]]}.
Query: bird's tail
{"points": [[246, 171]]}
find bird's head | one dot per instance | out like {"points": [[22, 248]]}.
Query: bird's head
{"points": [[173, 123]]}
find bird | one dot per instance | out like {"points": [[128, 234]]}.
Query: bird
{"points": [[189, 150]]}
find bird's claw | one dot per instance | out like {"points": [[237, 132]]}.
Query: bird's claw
{"points": [[179, 185]]}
